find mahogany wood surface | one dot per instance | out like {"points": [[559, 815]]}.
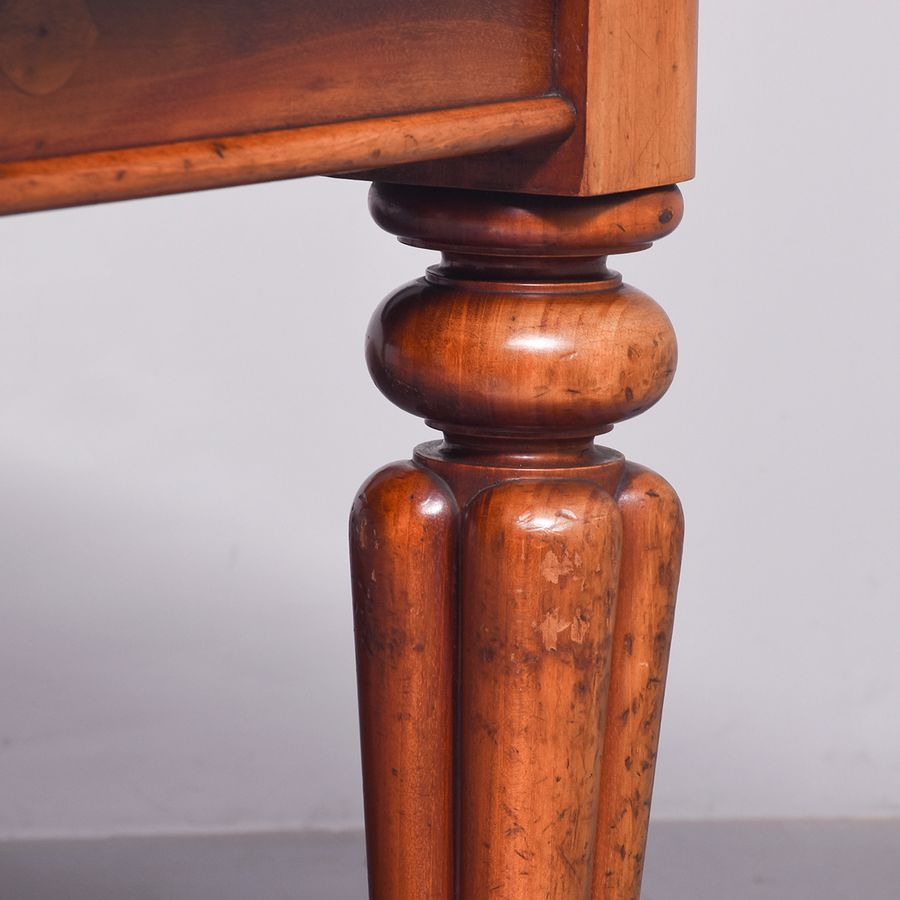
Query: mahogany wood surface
{"points": [[113, 99], [630, 68], [82, 75], [652, 537], [521, 346], [514, 584], [539, 567], [404, 530], [193, 165]]}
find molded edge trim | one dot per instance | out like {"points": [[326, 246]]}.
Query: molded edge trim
{"points": [[334, 148]]}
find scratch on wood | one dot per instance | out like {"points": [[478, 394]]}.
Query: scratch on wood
{"points": [[553, 568], [552, 626]]}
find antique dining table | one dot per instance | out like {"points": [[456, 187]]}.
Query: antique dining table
{"points": [[514, 583]]}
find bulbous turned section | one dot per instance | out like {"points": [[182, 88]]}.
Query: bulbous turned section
{"points": [[523, 579], [522, 329]]}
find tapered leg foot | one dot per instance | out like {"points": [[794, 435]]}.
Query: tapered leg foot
{"points": [[403, 565], [653, 532], [514, 585], [540, 565]]}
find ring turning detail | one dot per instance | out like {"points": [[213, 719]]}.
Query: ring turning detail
{"points": [[514, 584]]}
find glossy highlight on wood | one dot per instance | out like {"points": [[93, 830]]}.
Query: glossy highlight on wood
{"points": [[30, 185], [88, 75], [521, 346], [404, 533], [539, 565], [514, 584], [652, 537], [113, 99]]}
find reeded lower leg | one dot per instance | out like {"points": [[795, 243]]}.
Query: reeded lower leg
{"points": [[653, 531], [514, 586], [540, 565], [403, 564]]}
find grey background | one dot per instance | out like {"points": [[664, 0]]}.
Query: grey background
{"points": [[185, 416]]}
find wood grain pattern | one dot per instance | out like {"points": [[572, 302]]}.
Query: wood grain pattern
{"points": [[196, 165], [630, 69], [641, 94], [403, 532], [519, 358], [515, 579], [108, 99], [43, 44], [521, 346], [653, 534], [175, 70], [540, 566], [583, 388]]}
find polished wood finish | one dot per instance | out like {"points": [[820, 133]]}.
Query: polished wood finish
{"points": [[404, 532], [653, 534], [461, 318], [539, 564], [105, 100], [88, 75], [514, 584], [194, 165], [630, 68], [521, 346]]}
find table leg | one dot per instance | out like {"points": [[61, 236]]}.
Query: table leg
{"points": [[514, 584]]}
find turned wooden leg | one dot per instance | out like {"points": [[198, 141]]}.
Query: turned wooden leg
{"points": [[514, 584]]}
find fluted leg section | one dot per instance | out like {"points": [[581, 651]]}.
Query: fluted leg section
{"points": [[653, 530], [403, 564], [514, 586], [540, 565]]}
